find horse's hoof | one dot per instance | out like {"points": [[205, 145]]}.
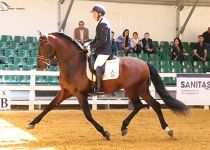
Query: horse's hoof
{"points": [[124, 132], [31, 126], [107, 135], [169, 131]]}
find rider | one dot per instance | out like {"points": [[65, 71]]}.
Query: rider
{"points": [[101, 43]]}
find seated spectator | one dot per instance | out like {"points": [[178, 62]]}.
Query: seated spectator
{"points": [[147, 44], [206, 36], [124, 42], [81, 34], [136, 44], [177, 51], [114, 44], [200, 51]]}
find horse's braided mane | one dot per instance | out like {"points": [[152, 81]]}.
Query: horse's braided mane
{"points": [[69, 38]]}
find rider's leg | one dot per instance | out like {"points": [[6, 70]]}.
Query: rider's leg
{"points": [[98, 66]]}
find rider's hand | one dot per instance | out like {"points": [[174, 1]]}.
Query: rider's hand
{"points": [[86, 44]]}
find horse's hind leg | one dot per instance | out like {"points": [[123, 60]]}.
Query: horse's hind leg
{"points": [[137, 104], [156, 107], [61, 96]]}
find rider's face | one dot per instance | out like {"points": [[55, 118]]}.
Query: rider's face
{"points": [[95, 15]]}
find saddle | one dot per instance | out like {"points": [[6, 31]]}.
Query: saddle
{"points": [[92, 59]]}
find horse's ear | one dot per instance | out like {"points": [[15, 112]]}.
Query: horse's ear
{"points": [[40, 33]]}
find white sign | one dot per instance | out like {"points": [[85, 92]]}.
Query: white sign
{"points": [[193, 89], [5, 100]]}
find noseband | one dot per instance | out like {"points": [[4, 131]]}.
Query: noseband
{"points": [[46, 60]]}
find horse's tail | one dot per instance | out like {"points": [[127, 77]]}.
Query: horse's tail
{"points": [[172, 103]]}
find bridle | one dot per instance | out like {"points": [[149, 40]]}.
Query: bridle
{"points": [[48, 60]]}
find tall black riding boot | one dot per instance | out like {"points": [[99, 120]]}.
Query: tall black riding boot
{"points": [[99, 80]]}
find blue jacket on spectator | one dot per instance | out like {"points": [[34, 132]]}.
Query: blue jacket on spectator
{"points": [[122, 41]]}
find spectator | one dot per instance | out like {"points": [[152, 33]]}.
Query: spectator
{"points": [[114, 44], [136, 44], [177, 51], [200, 51], [124, 42], [147, 44], [81, 34], [206, 36]]}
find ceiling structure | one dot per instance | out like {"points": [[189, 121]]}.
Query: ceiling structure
{"points": [[161, 2]]}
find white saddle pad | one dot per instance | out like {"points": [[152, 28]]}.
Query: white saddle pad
{"points": [[111, 70]]}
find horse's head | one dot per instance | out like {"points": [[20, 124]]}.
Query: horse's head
{"points": [[46, 52]]}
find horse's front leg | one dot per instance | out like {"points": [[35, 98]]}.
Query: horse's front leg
{"points": [[83, 101], [60, 97]]}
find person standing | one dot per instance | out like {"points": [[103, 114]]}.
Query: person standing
{"points": [[81, 34]]}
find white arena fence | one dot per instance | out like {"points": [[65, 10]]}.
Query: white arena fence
{"points": [[33, 100]]}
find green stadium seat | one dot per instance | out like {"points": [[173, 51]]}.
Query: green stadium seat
{"points": [[165, 56], [198, 64], [132, 55], [52, 80], [31, 61], [10, 53], [164, 44], [41, 80], [27, 67], [18, 46], [206, 66], [176, 64], [154, 57], [198, 70], [186, 64], [19, 39], [143, 57], [13, 67], [6, 38], [31, 39], [34, 53], [5, 45], [23, 79], [187, 70], [175, 69], [165, 69], [23, 53], [9, 79], [165, 63], [2, 67], [164, 51], [192, 44], [53, 68], [167, 80], [4, 59], [156, 45], [120, 53], [20, 61], [33, 46]]}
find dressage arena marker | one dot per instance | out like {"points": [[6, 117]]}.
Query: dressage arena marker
{"points": [[11, 135]]}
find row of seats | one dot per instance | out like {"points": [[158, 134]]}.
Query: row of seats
{"points": [[25, 67], [20, 39], [18, 53], [17, 79], [18, 46]]}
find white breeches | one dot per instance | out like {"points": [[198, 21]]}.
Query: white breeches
{"points": [[100, 60]]}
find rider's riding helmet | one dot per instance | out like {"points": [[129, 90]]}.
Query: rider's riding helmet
{"points": [[99, 9]]}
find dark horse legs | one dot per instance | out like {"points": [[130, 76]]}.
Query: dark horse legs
{"points": [[86, 109], [137, 104], [61, 96]]}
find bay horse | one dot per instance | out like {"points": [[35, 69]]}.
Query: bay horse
{"points": [[133, 78]]}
